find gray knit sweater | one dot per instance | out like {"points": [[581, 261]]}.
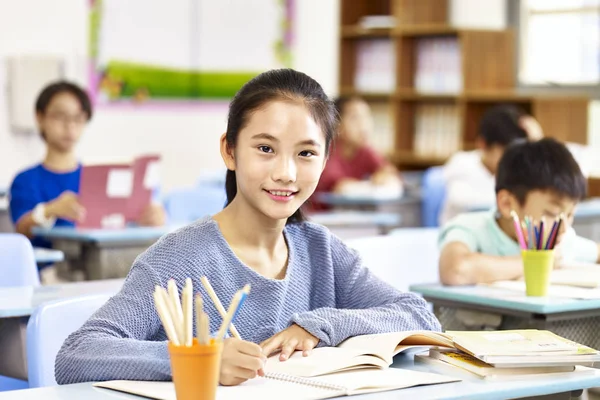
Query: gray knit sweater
{"points": [[327, 291]]}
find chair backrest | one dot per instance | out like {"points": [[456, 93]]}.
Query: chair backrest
{"points": [[48, 327], [17, 261], [405, 257], [190, 204], [434, 193]]}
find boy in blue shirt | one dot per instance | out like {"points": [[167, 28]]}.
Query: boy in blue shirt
{"points": [[534, 179], [46, 194]]}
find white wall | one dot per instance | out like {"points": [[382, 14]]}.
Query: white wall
{"points": [[187, 139]]}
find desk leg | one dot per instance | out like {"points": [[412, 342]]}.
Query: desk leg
{"points": [[13, 334]]}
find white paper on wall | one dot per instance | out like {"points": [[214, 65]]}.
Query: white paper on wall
{"points": [[26, 77]]}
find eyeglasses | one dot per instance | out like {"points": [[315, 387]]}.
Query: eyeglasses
{"points": [[63, 118]]}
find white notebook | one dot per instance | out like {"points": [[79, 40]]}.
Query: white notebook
{"points": [[294, 388]]}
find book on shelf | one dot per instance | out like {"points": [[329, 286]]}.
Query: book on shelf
{"points": [[375, 66], [437, 130], [377, 22], [438, 65]]}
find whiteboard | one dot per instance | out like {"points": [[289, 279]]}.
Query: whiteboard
{"points": [[157, 47]]}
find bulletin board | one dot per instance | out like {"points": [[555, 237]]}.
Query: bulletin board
{"points": [[149, 51]]}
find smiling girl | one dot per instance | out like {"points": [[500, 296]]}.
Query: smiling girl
{"points": [[308, 288]]}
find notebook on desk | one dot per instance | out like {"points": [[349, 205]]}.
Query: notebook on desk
{"points": [[273, 386]]}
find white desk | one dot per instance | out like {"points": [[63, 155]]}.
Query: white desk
{"points": [[47, 256], [474, 388], [21, 301], [348, 224], [103, 253], [18, 303]]}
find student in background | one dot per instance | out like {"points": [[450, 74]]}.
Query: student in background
{"points": [[352, 160], [536, 179], [469, 175], [46, 194], [309, 287]]}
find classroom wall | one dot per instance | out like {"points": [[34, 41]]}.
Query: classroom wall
{"points": [[187, 138]]}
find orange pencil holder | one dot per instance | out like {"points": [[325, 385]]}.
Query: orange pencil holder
{"points": [[196, 369]]}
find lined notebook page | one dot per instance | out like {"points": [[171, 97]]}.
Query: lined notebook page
{"points": [[255, 389], [354, 382]]}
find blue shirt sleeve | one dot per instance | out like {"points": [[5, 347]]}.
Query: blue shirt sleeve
{"points": [[22, 197]]}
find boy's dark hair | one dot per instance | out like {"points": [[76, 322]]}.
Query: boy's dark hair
{"points": [[545, 164], [500, 125], [341, 102], [55, 88], [278, 85]]}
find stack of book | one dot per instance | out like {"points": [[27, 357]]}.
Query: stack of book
{"points": [[511, 355]]}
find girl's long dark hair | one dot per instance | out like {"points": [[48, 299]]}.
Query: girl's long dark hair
{"points": [[279, 84]]}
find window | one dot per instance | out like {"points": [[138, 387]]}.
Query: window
{"points": [[560, 42]]}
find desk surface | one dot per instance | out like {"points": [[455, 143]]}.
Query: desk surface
{"points": [[104, 235], [21, 301], [475, 388], [334, 199], [356, 218], [44, 256], [505, 299]]}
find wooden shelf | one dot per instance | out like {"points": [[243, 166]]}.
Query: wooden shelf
{"points": [[425, 30], [404, 158], [357, 31], [408, 94], [487, 62], [369, 96], [594, 187]]}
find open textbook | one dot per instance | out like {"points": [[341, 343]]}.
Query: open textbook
{"points": [[295, 388], [366, 351], [500, 348]]}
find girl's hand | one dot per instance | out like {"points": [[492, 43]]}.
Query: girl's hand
{"points": [[240, 361], [289, 340]]}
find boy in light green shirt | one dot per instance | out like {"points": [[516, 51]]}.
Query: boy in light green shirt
{"points": [[536, 179]]}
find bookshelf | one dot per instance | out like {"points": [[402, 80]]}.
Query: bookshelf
{"points": [[424, 98]]}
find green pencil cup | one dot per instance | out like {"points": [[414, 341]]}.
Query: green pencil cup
{"points": [[537, 267]]}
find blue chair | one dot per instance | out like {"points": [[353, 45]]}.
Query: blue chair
{"points": [[405, 257], [190, 204], [17, 261], [433, 191], [48, 327]]}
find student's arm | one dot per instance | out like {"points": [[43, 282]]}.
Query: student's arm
{"points": [[65, 206], [579, 249], [119, 340], [364, 304], [461, 266]]}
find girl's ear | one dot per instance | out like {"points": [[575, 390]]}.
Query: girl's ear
{"points": [[506, 203], [227, 153]]}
